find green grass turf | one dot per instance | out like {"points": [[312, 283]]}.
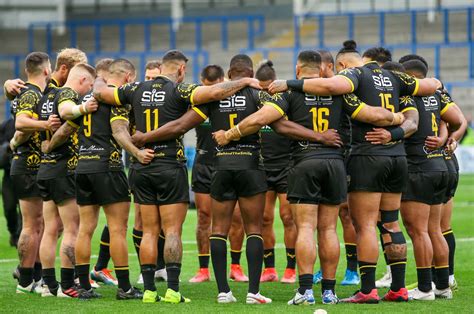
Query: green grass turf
{"points": [[203, 296]]}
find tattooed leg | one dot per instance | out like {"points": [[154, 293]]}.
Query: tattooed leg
{"points": [[28, 243], [69, 213]]}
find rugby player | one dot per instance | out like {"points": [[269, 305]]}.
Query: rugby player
{"points": [[201, 185], [276, 153], [26, 147], [239, 173], [161, 187], [152, 69], [426, 188], [56, 180], [377, 172], [314, 188], [351, 276]]}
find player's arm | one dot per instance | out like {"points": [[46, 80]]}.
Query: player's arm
{"points": [[336, 85], [206, 94], [69, 110], [59, 137], [13, 88], [427, 86], [298, 132], [171, 130], [120, 131], [360, 111], [438, 141], [18, 139], [457, 125], [381, 136]]}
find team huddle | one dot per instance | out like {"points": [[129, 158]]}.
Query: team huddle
{"points": [[358, 137]]}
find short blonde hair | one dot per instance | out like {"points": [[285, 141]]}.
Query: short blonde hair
{"points": [[70, 57], [84, 68]]}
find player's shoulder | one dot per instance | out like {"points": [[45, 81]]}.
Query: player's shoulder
{"points": [[351, 71], [67, 93]]}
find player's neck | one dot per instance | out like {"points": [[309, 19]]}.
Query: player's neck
{"points": [[56, 78], [308, 75], [38, 80], [115, 82], [171, 76]]}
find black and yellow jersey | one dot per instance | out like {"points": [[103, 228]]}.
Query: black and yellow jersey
{"points": [[62, 160], [276, 149], [45, 107], [26, 157], [225, 114], [319, 113], [153, 104], [98, 150], [420, 158], [380, 88], [205, 145]]}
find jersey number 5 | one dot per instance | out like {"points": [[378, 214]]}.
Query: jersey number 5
{"points": [[148, 117], [320, 123], [87, 122]]}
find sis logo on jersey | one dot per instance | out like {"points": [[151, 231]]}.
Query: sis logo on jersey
{"points": [[47, 107], [382, 81], [155, 96], [430, 102], [311, 99], [233, 102]]}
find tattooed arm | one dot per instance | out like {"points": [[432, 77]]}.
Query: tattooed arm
{"points": [[120, 131], [59, 137]]}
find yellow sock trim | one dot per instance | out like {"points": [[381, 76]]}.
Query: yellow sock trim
{"points": [[368, 266], [162, 236], [397, 263], [424, 267], [354, 244], [236, 251], [447, 232], [217, 238], [439, 267], [79, 264], [204, 254], [136, 236], [254, 236], [104, 243], [121, 268]]}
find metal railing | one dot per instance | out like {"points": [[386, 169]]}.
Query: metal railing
{"points": [[255, 28]]}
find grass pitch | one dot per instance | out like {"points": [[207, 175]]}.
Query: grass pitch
{"points": [[203, 295]]}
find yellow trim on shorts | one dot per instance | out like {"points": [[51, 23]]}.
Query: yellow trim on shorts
{"points": [[408, 109], [275, 106], [350, 81], [116, 97], [446, 108], [199, 112], [356, 112]]}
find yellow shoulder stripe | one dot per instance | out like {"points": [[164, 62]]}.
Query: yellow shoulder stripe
{"points": [[118, 118], [116, 97], [350, 81], [417, 86], [27, 112], [268, 103], [199, 112], [356, 112], [446, 108], [191, 98]]}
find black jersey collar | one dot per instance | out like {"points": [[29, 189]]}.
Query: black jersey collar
{"points": [[33, 84], [372, 65], [54, 82]]}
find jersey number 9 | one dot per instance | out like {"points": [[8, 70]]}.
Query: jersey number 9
{"points": [[87, 122]]}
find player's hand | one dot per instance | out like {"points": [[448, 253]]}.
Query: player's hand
{"points": [[434, 142], [145, 156], [253, 82], [451, 145], [378, 136], [331, 138], [12, 144], [53, 123], [45, 146], [138, 139], [398, 118], [13, 87], [277, 86], [91, 105], [220, 138]]}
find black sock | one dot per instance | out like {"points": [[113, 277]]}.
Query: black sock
{"points": [[442, 276], [269, 258], [104, 250], [306, 283], [37, 272], [351, 256], [49, 277], [398, 270], [424, 278], [148, 273], [204, 260], [67, 278], [367, 276], [328, 284], [235, 256], [290, 258], [434, 275], [219, 261], [254, 252], [82, 271], [173, 270], [123, 277], [160, 261], [137, 240], [451, 240], [385, 257], [26, 276]]}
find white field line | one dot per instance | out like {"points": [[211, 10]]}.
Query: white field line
{"points": [[277, 246]]}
